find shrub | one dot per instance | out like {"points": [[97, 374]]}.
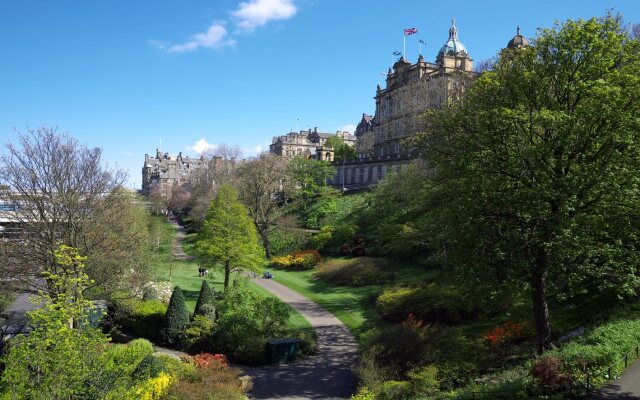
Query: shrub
{"points": [[208, 360], [156, 291], [297, 260], [207, 384], [176, 319], [246, 320], [142, 318], [354, 272], [599, 349], [307, 344], [205, 297], [330, 238], [197, 334], [402, 350], [152, 389], [285, 240], [506, 333], [432, 303], [149, 367], [550, 372]]}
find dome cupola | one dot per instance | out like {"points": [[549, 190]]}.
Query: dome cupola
{"points": [[518, 41], [453, 46]]}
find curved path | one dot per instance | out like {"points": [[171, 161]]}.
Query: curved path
{"points": [[327, 374], [627, 387]]}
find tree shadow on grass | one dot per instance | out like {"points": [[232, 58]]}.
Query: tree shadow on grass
{"points": [[190, 295]]}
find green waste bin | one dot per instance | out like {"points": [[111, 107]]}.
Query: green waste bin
{"points": [[282, 350]]}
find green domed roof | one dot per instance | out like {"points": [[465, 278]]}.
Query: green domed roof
{"points": [[453, 46]]}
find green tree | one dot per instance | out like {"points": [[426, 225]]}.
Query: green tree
{"points": [[62, 357], [313, 199], [206, 296], [341, 150], [228, 237], [536, 170], [176, 318]]}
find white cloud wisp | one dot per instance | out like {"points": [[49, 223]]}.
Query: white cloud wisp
{"points": [[256, 13], [215, 37], [202, 146]]}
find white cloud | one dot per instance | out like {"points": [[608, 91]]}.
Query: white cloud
{"points": [[202, 146], [348, 127], [215, 37], [252, 151], [255, 13]]}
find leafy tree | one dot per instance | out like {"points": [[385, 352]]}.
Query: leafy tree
{"points": [[536, 170], [63, 358], [260, 183], [228, 237], [206, 296], [68, 196], [341, 150], [176, 318], [312, 198]]}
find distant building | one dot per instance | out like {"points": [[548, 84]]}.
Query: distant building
{"points": [[162, 172], [410, 90], [308, 144]]}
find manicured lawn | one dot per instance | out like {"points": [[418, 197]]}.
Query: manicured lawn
{"points": [[185, 275]]}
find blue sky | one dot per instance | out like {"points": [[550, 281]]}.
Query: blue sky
{"points": [[129, 75]]}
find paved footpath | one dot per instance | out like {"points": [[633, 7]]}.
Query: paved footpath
{"points": [[178, 252], [326, 375], [627, 387]]}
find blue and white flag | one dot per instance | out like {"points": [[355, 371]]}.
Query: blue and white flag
{"points": [[396, 53], [422, 41]]}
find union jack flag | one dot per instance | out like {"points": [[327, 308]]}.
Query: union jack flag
{"points": [[410, 31]]}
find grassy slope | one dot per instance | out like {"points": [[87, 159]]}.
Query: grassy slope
{"points": [[185, 275], [354, 306]]}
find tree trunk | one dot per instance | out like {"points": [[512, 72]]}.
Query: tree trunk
{"points": [[265, 239], [227, 272], [539, 298], [267, 246]]}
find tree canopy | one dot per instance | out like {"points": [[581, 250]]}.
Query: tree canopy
{"points": [[228, 237], [341, 150], [536, 170]]}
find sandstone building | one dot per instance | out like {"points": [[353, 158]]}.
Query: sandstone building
{"points": [[308, 144], [162, 172], [410, 90]]}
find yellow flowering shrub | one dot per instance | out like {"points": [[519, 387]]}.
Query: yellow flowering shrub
{"points": [[154, 388]]}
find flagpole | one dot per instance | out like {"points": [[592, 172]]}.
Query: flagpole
{"points": [[404, 46]]}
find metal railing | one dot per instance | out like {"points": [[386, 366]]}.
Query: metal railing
{"points": [[624, 360]]}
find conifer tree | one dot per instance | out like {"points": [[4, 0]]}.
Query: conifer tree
{"points": [[205, 297], [176, 318]]}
